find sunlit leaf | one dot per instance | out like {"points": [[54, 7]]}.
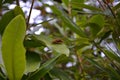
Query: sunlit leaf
{"points": [[13, 51], [59, 48]]}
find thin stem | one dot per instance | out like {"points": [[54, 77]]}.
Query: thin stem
{"points": [[110, 9], [101, 5], [30, 13], [17, 2]]}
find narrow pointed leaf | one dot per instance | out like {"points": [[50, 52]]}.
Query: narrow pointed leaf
{"points": [[82, 5], [68, 22], [13, 51]]}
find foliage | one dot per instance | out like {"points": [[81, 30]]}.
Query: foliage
{"points": [[80, 41]]}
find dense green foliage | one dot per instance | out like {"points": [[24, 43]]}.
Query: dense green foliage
{"points": [[79, 42]]}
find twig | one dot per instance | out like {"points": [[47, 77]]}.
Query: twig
{"points": [[17, 2], [101, 4], [30, 13], [110, 9]]}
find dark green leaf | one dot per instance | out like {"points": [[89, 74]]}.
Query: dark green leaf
{"points": [[7, 17], [5, 20], [60, 74], [31, 42], [45, 68], [33, 61]]}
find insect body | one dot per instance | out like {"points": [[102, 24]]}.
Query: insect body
{"points": [[57, 41]]}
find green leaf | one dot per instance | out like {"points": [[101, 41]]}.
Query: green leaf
{"points": [[112, 73], [59, 48], [78, 1], [45, 68], [60, 74], [7, 17], [18, 11], [116, 7], [68, 22], [98, 19], [66, 2], [96, 23], [33, 61], [95, 63], [112, 55], [78, 5], [12, 40], [31, 42], [7, 1]]}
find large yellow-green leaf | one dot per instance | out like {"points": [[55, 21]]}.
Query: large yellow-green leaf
{"points": [[13, 51]]}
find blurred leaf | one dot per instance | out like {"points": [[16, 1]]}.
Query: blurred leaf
{"points": [[98, 19], [31, 42], [66, 2], [45, 68], [7, 1], [59, 48], [108, 69], [47, 77], [14, 56], [95, 63], [78, 1], [68, 22], [33, 61], [96, 23], [18, 11], [78, 5], [60, 74], [116, 7], [112, 55], [7, 17], [113, 73]]}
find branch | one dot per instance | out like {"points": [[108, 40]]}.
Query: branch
{"points": [[30, 13], [110, 9], [17, 3]]}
